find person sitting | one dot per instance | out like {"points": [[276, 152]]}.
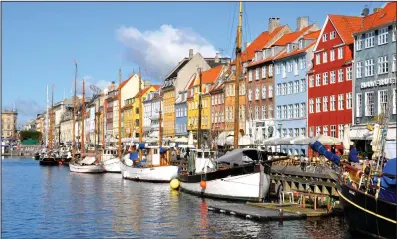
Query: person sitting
{"points": [[353, 154]]}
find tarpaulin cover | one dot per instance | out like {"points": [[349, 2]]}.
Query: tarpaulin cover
{"points": [[141, 146], [318, 147], [162, 150], [388, 184], [353, 155], [134, 156]]}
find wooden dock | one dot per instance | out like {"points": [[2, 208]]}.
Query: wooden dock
{"points": [[255, 213]]}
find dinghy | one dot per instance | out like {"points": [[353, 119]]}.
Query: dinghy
{"points": [[87, 165]]}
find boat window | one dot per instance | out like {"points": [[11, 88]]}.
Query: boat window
{"points": [[199, 154], [212, 154], [154, 151], [206, 154]]}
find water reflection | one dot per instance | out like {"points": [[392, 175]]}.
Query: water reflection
{"points": [[58, 203]]}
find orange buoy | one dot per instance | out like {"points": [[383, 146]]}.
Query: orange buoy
{"points": [[60, 162], [203, 184]]}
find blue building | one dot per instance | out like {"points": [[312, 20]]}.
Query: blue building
{"points": [[291, 68], [181, 115]]}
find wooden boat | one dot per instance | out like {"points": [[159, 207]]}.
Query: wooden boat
{"points": [[155, 168], [48, 160], [87, 165], [111, 162]]}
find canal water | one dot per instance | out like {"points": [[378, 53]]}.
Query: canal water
{"points": [[52, 202]]}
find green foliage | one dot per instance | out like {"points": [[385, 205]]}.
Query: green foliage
{"points": [[30, 134]]}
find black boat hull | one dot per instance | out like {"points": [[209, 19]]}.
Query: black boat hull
{"points": [[367, 215], [48, 162]]}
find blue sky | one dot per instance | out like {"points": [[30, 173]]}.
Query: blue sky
{"points": [[41, 40]]}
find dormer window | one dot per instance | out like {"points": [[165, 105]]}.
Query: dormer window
{"points": [[301, 44], [288, 48], [325, 37], [264, 54], [273, 51]]}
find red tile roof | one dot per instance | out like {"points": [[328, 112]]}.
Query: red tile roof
{"points": [[383, 16], [125, 82], [312, 35], [346, 26], [142, 92], [258, 44], [208, 77], [290, 37], [294, 52]]}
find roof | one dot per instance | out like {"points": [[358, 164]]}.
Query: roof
{"points": [[142, 92], [290, 37], [258, 44], [346, 26], [284, 54], [383, 16], [208, 77], [312, 35]]}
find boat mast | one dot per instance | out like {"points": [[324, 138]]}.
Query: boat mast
{"points": [[47, 121], [237, 76], [140, 112], [160, 119], [74, 112], [51, 143], [119, 151], [199, 113], [82, 121]]}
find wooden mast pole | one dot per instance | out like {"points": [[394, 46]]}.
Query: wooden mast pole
{"points": [[119, 131], [140, 112], [237, 76], [160, 121], [199, 112], [74, 113], [82, 121], [52, 119]]}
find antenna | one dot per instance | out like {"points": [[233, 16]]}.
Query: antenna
{"points": [[221, 50], [95, 89]]}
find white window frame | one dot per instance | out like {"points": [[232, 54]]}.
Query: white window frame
{"points": [[263, 112], [349, 100], [302, 110], [369, 67], [332, 35], [296, 87], [349, 73], [325, 57], [333, 131], [311, 106], [290, 111], [311, 131], [369, 39], [302, 85], [318, 104], [278, 71], [318, 59], [382, 99], [325, 103], [325, 130], [332, 101], [278, 89], [290, 88], [359, 102], [263, 91], [325, 37], [263, 72], [341, 102], [270, 91], [394, 101], [359, 70], [340, 75], [393, 64], [340, 52], [325, 78], [270, 70], [341, 128], [250, 75], [296, 70], [359, 43], [369, 103], [318, 80], [278, 112], [257, 73], [383, 35], [332, 77], [296, 111], [332, 55], [318, 130], [311, 81], [257, 93], [383, 65]]}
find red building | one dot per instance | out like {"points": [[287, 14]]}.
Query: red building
{"points": [[330, 98]]}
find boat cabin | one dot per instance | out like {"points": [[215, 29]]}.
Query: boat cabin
{"points": [[201, 160]]}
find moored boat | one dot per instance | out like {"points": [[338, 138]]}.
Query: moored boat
{"points": [[111, 162], [87, 165]]}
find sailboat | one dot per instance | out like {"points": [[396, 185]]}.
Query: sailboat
{"points": [[48, 157], [86, 163], [241, 174], [156, 167], [111, 162]]}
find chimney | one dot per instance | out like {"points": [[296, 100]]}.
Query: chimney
{"points": [[301, 23], [217, 57], [377, 9], [246, 44], [365, 12], [274, 22], [190, 53]]}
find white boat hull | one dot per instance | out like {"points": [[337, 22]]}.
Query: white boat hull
{"points": [[152, 174], [246, 187], [94, 168], [112, 165]]}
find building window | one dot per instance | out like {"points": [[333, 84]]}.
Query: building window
{"points": [[332, 55], [318, 130], [318, 60], [333, 131], [325, 130], [325, 57], [318, 104], [325, 37], [332, 35], [318, 79], [301, 44], [264, 92], [284, 89], [278, 69], [263, 112], [325, 78], [394, 101], [290, 111], [394, 33], [296, 87], [270, 91], [359, 43], [296, 133], [358, 104], [311, 81], [284, 112], [284, 132], [296, 72], [296, 111], [340, 53], [325, 103], [340, 75], [349, 73], [289, 88], [303, 131], [289, 66], [303, 85], [250, 94], [263, 71], [332, 77], [302, 110], [290, 134], [369, 103], [382, 99], [383, 65], [311, 106], [349, 100], [257, 93], [340, 131], [393, 65], [311, 131], [270, 70], [278, 89], [359, 69], [382, 35], [369, 67], [369, 39], [333, 103], [278, 112], [257, 74], [250, 75], [257, 112], [284, 69], [303, 62], [340, 102]]}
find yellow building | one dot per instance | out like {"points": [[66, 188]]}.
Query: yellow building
{"points": [[168, 102], [208, 78], [127, 123], [132, 116], [9, 123]]}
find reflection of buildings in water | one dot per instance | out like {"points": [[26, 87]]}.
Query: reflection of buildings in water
{"points": [[47, 188]]}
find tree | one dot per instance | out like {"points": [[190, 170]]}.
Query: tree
{"points": [[30, 134]]}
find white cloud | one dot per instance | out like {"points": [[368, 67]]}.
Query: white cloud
{"points": [[159, 51]]}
